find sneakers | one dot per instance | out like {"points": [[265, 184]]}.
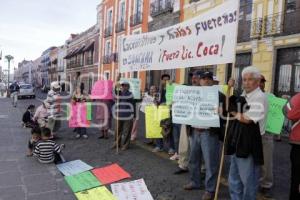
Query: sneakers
{"points": [[85, 137], [156, 150], [77, 136], [175, 157], [190, 186], [171, 152], [208, 196]]}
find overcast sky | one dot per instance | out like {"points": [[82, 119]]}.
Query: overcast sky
{"points": [[28, 27]]}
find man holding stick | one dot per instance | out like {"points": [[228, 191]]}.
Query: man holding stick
{"points": [[244, 141]]}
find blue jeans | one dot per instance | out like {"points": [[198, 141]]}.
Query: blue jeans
{"points": [[243, 178], [176, 135], [159, 143], [204, 145]]}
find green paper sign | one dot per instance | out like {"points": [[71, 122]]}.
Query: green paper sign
{"points": [[169, 93], [275, 117], [88, 111], [135, 86], [83, 181]]}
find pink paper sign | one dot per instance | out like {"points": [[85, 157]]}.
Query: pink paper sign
{"points": [[78, 116], [110, 174], [102, 89]]}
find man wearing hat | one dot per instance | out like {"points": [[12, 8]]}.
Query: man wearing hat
{"points": [[205, 145], [124, 115], [53, 108]]}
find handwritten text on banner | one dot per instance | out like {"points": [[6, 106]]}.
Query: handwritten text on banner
{"points": [[207, 39], [196, 106]]}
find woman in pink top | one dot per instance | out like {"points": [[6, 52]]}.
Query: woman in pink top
{"points": [[41, 115]]}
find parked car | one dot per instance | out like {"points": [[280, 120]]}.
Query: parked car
{"points": [[26, 90]]}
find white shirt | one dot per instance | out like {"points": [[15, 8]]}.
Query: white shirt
{"points": [[147, 100], [258, 102]]}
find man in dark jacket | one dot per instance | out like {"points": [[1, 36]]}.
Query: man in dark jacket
{"points": [[244, 141], [14, 91], [124, 115]]}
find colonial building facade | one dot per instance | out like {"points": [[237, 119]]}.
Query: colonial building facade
{"points": [[82, 59], [120, 18], [268, 37]]}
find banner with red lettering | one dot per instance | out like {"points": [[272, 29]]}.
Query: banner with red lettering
{"points": [[207, 39]]}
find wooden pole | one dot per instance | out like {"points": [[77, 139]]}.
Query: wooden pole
{"points": [[117, 123], [223, 147]]}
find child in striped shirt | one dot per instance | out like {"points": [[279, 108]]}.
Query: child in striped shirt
{"points": [[48, 151], [35, 138]]}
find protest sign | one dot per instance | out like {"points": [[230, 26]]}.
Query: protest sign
{"points": [[133, 190], [169, 93], [196, 106], [153, 117], [102, 89], [110, 174], [89, 111], [99, 193], [135, 86], [78, 115], [82, 181], [73, 167], [275, 118], [208, 39]]}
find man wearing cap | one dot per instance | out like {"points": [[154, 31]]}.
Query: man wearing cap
{"points": [[266, 181], [124, 114], [185, 133], [205, 145], [53, 107]]}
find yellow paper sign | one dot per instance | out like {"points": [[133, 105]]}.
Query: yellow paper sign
{"points": [[99, 193], [154, 115]]}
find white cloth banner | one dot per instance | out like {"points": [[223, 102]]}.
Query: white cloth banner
{"points": [[133, 190], [196, 106], [207, 39]]}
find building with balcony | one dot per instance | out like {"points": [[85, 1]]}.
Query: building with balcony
{"points": [[119, 18], [268, 37], [61, 66], [82, 59], [52, 72], [164, 13], [45, 66]]}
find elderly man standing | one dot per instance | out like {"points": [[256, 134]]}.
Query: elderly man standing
{"points": [[244, 141], [53, 108]]}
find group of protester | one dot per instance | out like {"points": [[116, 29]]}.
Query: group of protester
{"points": [[249, 148]]}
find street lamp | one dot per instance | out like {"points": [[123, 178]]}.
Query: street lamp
{"points": [[8, 58]]}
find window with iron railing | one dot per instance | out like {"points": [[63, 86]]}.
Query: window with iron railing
{"points": [[106, 59], [161, 6], [256, 28], [108, 31], [120, 26], [136, 19], [89, 60], [281, 24]]}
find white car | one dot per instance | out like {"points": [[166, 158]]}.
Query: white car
{"points": [[26, 90]]}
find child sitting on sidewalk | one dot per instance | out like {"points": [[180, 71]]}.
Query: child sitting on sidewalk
{"points": [[47, 151], [35, 138], [27, 119]]}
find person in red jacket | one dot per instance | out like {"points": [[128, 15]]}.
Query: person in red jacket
{"points": [[292, 112]]}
